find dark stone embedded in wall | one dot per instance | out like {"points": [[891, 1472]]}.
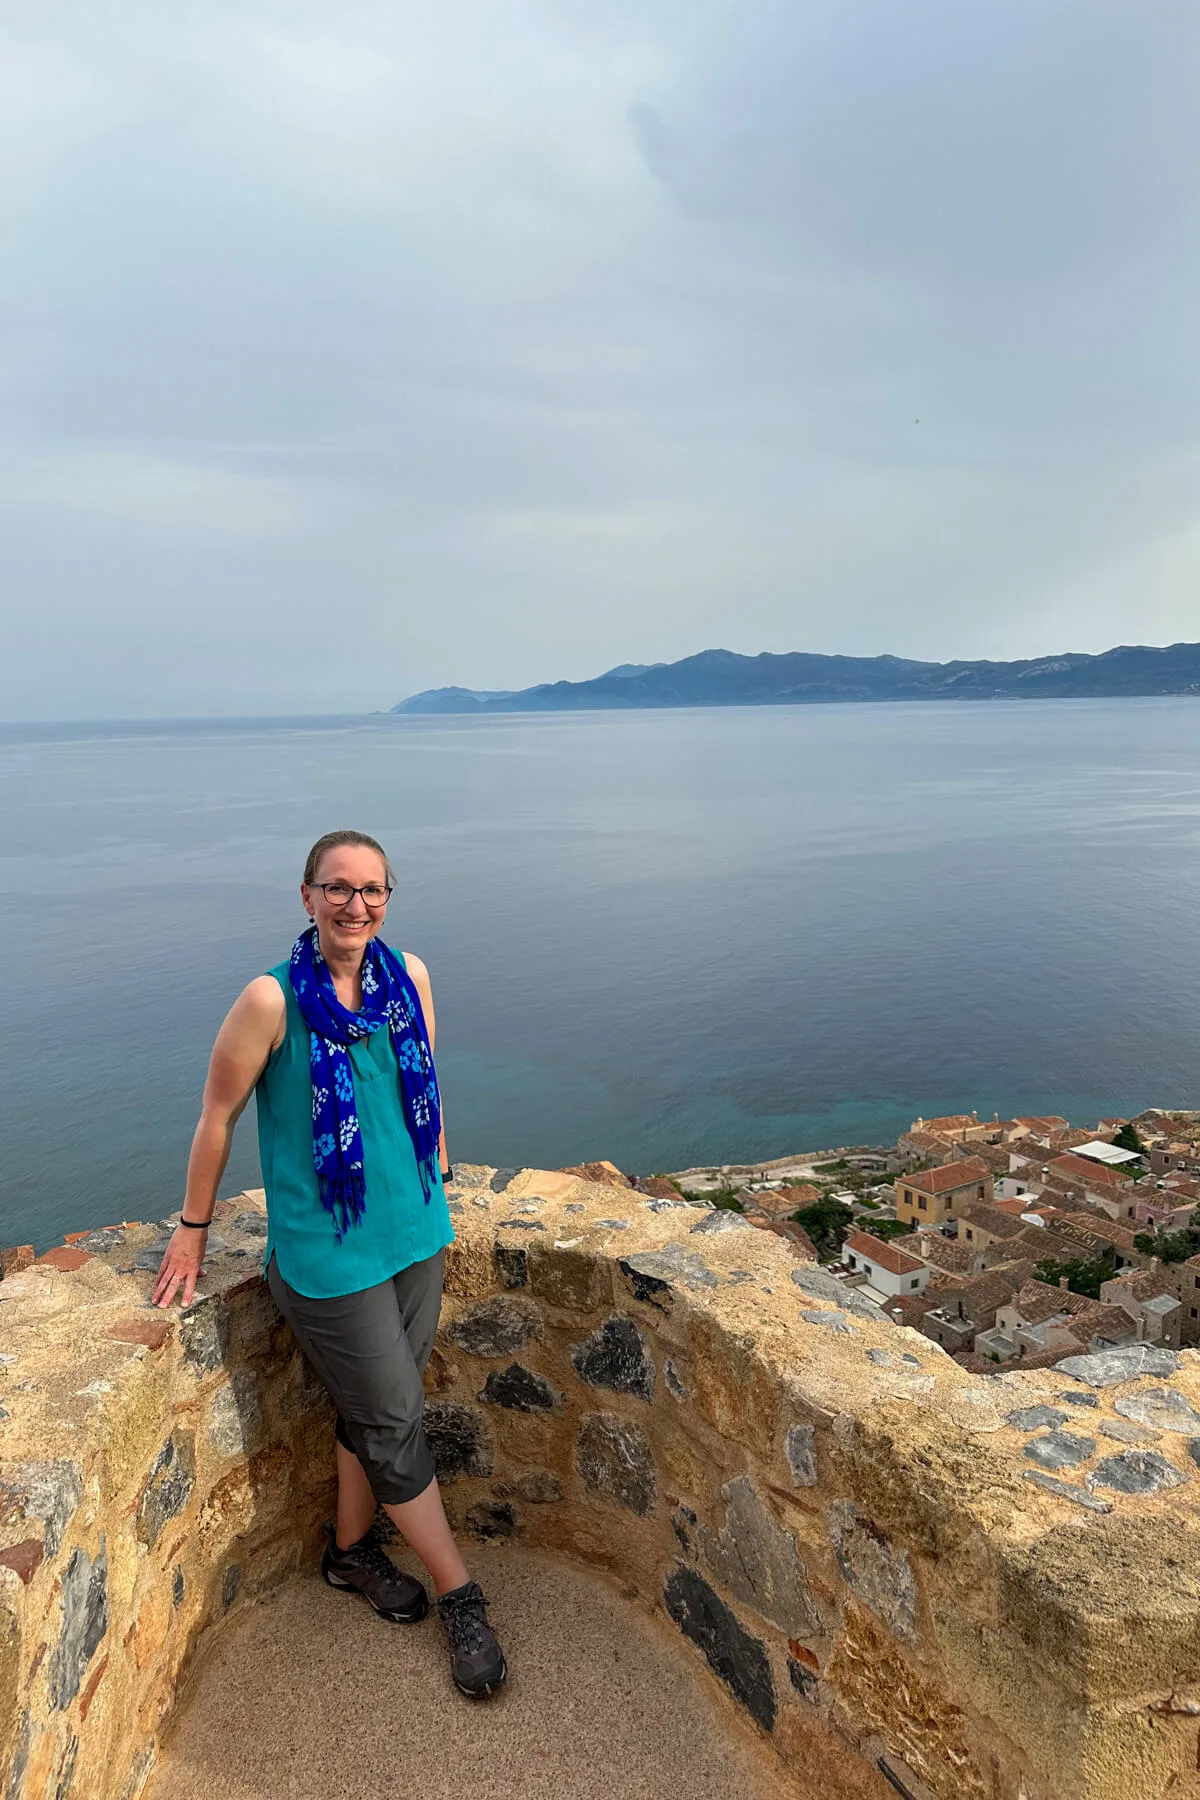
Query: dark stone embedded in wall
{"points": [[756, 1559], [800, 1450], [1136, 1472], [492, 1519], [1029, 1418], [204, 1334], [49, 1491], [803, 1680], [512, 1265], [1060, 1449], [722, 1219], [673, 1379], [458, 1437], [168, 1486], [84, 1623], [683, 1523], [1104, 1368], [653, 1273], [823, 1286], [615, 1460], [520, 1225], [20, 1756], [520, 1389], [501, 1179], [1162, 1408], [616, 1357], [496, 1327], [66, 1769], [537, 1487], [739, 1659], [178, 1587], [230, 1584], [880, 1575]]}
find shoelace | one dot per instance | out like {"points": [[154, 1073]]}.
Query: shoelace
{"points": [[369, 1556], [466, 1621]]}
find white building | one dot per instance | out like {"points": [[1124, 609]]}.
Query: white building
{"points": [[888, 1270]]}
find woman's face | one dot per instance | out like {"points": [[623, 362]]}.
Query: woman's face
{"points": [[343, 922]]}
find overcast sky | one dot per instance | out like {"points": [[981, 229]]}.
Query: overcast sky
{"points": [[350, 350]]}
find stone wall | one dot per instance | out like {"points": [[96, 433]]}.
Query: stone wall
{"points": [[912, 1580]]}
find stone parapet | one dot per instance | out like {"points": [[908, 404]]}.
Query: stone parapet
{"points": [[910, 1579]]}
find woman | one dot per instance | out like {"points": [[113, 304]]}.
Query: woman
{"points": [[336, 1045]]}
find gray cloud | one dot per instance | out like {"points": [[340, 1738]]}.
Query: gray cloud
{"points": [[344, 357]]}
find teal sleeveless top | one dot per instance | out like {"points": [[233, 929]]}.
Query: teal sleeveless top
{"points": [[398, 1228]]}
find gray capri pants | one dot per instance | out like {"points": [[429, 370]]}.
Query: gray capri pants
{"points": [[370, 1351]]}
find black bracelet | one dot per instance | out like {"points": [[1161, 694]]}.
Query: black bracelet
{"points": [[196, 1224], [447, 1175]]}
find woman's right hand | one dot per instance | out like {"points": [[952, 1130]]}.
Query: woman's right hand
{"points": [[180, 1268]]}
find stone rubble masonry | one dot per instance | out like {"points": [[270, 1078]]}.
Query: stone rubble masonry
{"points": [[908, 1578]]}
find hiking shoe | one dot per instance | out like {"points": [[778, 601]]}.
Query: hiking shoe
{"points": [[367, 1567], [476, 1659]]}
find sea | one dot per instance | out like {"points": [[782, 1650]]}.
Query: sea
{"points": [[668, 938]]}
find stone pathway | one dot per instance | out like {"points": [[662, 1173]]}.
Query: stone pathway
{"points": [[308, 1695]]}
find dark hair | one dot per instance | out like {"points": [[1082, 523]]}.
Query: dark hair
{"points": [[333, 840]]}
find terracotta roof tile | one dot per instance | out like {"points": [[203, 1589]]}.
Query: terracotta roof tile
{"points": [[949, 1176], [888, 1256]]}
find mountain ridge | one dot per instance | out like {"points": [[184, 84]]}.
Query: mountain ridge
{"points": [[727, 678]]}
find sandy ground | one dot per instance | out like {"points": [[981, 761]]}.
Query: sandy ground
{"points": [[310, 1696]]}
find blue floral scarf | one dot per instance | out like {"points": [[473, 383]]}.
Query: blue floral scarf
{"points": [[388, 998]]}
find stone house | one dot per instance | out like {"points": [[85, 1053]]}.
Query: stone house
{"points": [[944, 1253], [1149, 1298], [1174, 1157], [982, 1225], [781, 1202], [967, 1307], [936, 1194], [1163, 1210]]}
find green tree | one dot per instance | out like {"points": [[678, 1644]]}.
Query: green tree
{"points": [[828, 1223], [1083, 1275], [1128, 1139], [1169, 1246]]}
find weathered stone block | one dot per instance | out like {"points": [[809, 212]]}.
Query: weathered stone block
{"points": [[537, 1487], [1060, 1450], [458, 1438], [757, 1560], [496, 1327], [881, 1575], [739, 1660], [235, 1417], [1162, 1409], [84, 1623], [1136, 1472], [616, 1357], [519, 1389], [573, 1280], [915, 1718], [1107, 1367], [204, 1334], [168, 1485], [512, 1265], [653, 1275], [801, 1452], [615, 1460], [492, 1519], [49, 1491]]}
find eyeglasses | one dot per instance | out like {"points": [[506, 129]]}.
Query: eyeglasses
{"points": [[340, 893]]}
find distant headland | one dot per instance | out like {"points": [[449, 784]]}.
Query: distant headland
{"points": [[723, 678]]}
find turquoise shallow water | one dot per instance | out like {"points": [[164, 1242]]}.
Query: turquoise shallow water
{"points": [[665, 937]]}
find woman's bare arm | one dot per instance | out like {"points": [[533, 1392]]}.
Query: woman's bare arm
{"points": [[252, 1028]]}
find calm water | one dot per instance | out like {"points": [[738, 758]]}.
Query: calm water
{"points": [[664, 938]]}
